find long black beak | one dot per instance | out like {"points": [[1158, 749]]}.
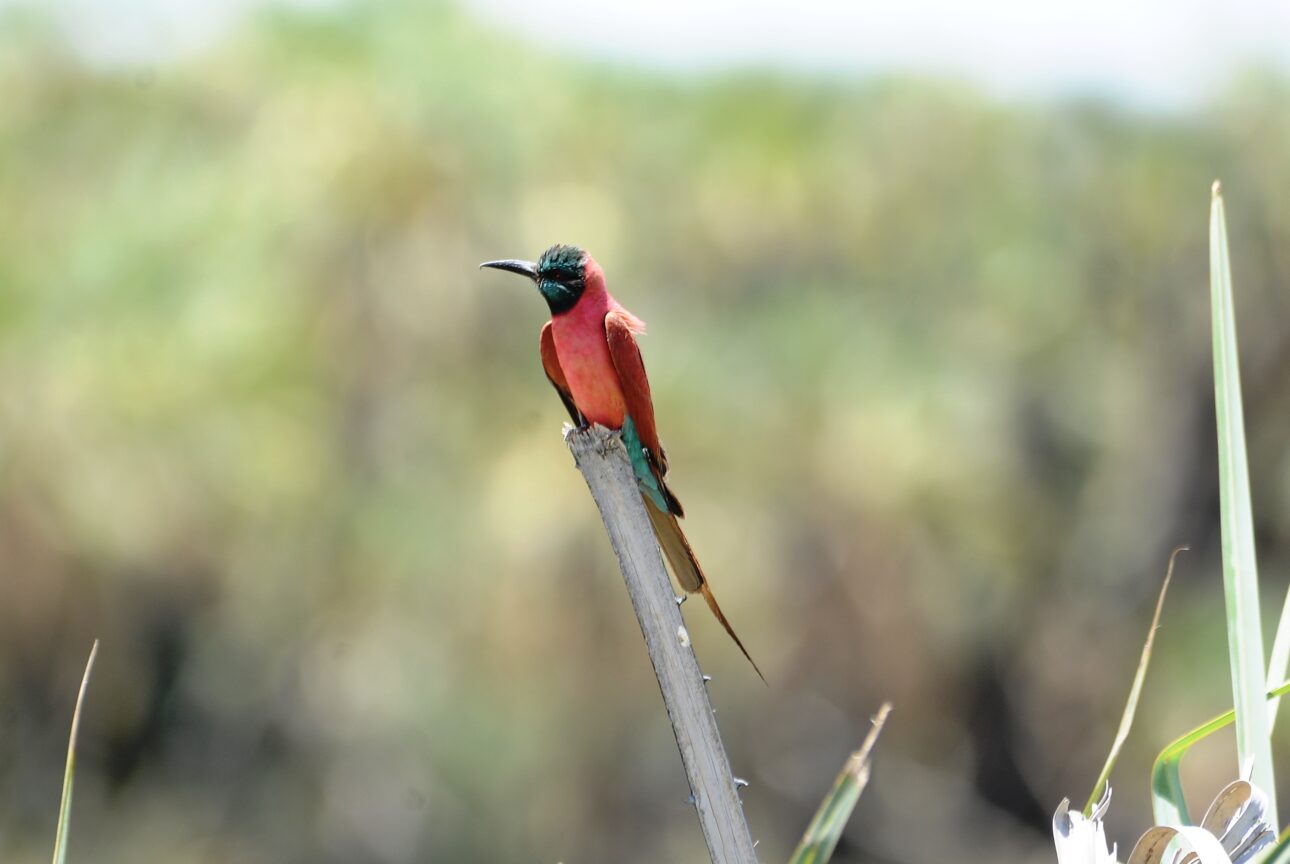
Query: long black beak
{"points": [[510, 265]]}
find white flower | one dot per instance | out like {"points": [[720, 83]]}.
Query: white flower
{"points": [[1234, 831], [1081, 840]]}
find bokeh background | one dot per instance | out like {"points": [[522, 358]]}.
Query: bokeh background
{"points": [[930, 352]]}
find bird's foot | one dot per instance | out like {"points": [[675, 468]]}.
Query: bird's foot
{"points": [[569, 428]]}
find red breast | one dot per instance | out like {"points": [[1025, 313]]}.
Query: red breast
{"points": [[584, 353]]}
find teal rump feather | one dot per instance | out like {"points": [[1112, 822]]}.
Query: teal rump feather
{"points": [[645, 478]]}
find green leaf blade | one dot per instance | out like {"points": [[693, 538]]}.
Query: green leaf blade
{"points": [[1135, 691], [65, 805], [1168, 803], [824, 832], [1280, 853], [1240, 574], [1279, 661], [1168, 806]]}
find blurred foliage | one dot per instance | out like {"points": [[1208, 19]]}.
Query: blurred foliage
{"points": [[933, 373]]}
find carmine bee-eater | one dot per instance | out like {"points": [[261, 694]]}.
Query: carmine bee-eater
{"points": [[589, 353]]}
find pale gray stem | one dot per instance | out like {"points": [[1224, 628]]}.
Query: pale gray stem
{"points": [[603, 461]]}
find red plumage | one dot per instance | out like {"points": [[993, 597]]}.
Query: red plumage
{"points": [[594, 362], [590, 355]]}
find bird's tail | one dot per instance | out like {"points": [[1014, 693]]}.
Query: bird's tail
{"points": [[676, 548]]}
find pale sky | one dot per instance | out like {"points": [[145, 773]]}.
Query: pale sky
{"points": [[1161, 54]]}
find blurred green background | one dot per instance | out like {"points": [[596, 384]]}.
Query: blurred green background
{"points": [[932, 368]]}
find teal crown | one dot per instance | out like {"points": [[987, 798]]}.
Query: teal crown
{"points": [[561, 276]]}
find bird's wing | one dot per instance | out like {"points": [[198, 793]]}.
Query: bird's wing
{"points": [[620, 329], [551, 365], [620, 333]]}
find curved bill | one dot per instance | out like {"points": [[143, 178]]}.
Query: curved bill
{"points": [[510, 265]]}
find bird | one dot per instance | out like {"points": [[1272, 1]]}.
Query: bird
{"points": [[590, 356]]}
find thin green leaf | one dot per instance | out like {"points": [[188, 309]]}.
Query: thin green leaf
{"points": [[1280, 853], [1135, 692], [1168, 804], [1279, 662], [65, 808], [822, 835], [1240, 574]]}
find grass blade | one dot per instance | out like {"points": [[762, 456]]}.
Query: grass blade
{"points": [[1280, 853], [1240, 574], [1135, 692], [1279, 662], [65, 807], [1168, 806], [822, 835]]}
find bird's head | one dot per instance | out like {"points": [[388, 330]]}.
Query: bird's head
{"points": [[562, 275]]}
